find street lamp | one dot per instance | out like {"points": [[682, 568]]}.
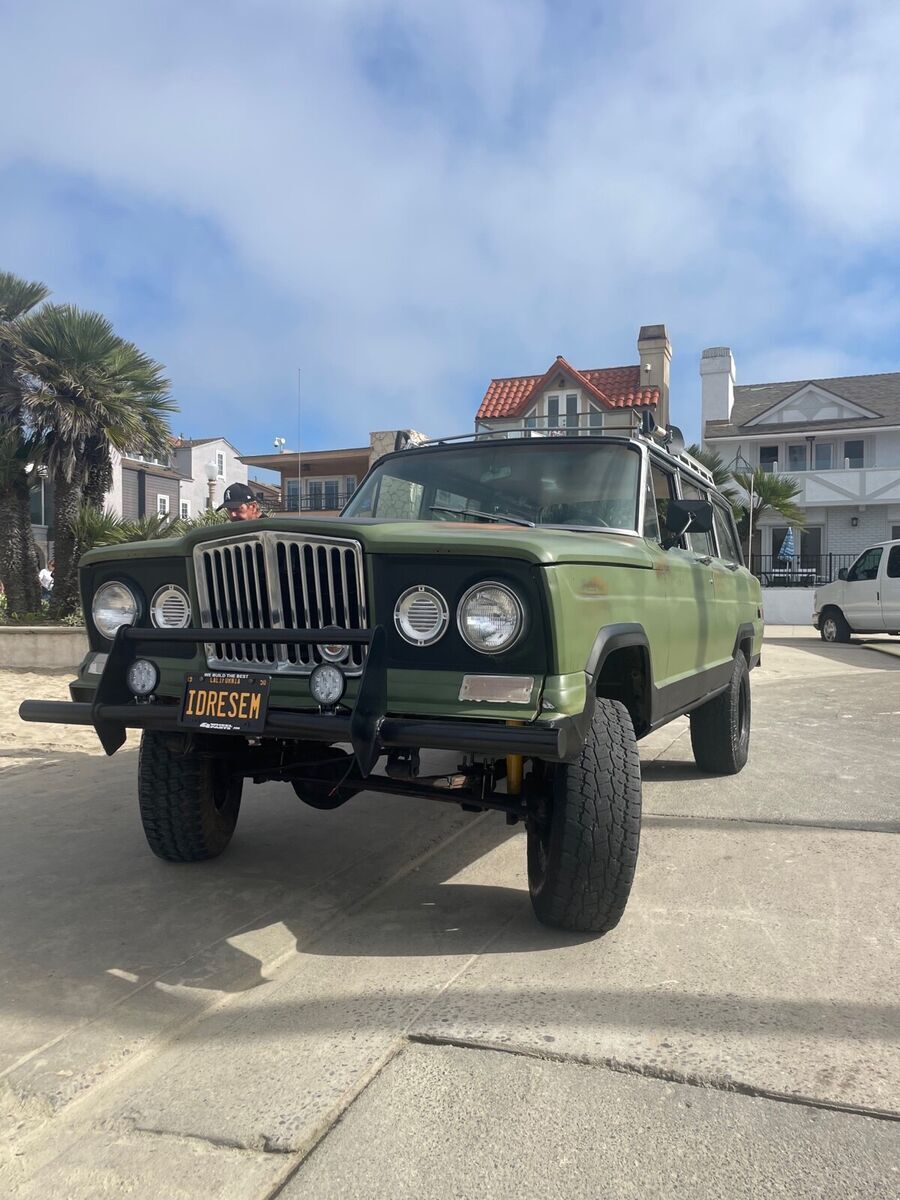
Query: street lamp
{"points": [[212, 474]]}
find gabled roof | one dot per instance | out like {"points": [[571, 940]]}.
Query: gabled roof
{"points": [[609, 387], [189, 443], [879, 394]]}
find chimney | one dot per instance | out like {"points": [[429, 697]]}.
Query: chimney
{"points": [[655, 355], [717, 376]]}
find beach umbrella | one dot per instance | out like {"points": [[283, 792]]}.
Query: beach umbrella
{"points": [[787, 551]]}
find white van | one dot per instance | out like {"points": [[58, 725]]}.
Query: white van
{"points": [[865, 599]]}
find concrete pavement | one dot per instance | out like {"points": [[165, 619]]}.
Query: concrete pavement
{"points": [[196, 1031]]}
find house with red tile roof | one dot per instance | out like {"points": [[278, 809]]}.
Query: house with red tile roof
{"points": [[565, 397]]}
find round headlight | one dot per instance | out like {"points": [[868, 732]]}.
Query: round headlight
{"points": [[490, 617], [327, 684], [113, 605], [170, 608], [421, 615]]}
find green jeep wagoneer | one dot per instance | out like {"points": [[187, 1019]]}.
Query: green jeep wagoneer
{"points": [[535, 601]]}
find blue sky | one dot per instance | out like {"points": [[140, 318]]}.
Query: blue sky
{"points": [[405, 198]]}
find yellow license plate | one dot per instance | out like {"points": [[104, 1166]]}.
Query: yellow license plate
{"points": [[223, 702]]}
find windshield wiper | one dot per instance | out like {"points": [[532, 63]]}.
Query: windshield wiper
{"points": [[473, 512]]}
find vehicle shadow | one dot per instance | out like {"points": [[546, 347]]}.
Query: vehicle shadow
{"points": [[89, 917], [845, 653], [669, 770]]}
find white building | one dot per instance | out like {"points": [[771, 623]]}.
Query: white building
{"points": [[838, 438], [190, 456]]}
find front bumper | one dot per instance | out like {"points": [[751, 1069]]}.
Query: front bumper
{"points": [[367, 728]]}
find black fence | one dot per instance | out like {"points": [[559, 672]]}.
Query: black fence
{"points": [[803, 570], [327, 502]]}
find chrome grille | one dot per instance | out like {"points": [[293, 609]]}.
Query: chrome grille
{"points": [[280, 581]]}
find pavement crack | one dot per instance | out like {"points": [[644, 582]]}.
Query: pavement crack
{"points": [[661, 1074]]}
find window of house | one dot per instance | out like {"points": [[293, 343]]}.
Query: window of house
{"points": [[349, 486], [162, 505], [571, 410], [807, 546], [895, 532], [36, 503], [220, 464], [768, 458], [823, 456], [553, 412], [854, 452], [796, 456], [531, 421], [893, 563], [700, 543], [725, 535], [866, 566], [314, 494], [292, 494], [595, 418], [331, 493], [185, 510]]}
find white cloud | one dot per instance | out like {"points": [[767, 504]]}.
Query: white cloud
{"points": [[442, 192]]}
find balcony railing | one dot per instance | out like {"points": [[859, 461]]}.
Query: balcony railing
{"points": [[332, 502], [803, 570]]}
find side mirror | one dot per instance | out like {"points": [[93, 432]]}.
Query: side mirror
{"points": [[682, 515], [842, 573]]}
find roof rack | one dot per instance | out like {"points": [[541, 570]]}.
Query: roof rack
{"points": [[623, 422]]}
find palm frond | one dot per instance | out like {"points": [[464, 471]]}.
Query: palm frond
{"points": [[771, 493], [19, 296]]}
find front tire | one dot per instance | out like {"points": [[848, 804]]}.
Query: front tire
{"points": [[720, 728], [189, 804], [584, 828], [834, 627]]}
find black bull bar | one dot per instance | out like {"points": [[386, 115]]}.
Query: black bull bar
{"points": [[368, 728]]}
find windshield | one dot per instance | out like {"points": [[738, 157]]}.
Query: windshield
{"points": [[590, 485]]}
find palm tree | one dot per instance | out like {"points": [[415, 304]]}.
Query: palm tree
{"points": [[18, 556], [89, 390], [720, 472], [771, 493]]}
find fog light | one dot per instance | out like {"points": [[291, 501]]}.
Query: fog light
{"points": [[327, 684], [142, 677]]}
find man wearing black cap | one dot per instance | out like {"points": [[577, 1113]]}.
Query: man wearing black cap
{"points": [[240, 504]]}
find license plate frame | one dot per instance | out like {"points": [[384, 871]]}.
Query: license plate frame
{"points": [[212, 702]]}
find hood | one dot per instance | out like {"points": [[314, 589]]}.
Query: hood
{"points": [[545, 544]]}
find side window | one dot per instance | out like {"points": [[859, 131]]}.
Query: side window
{"points": [[728, 547], [866, 566], [700, 543], [893, 566], [651, 518], [662, 484]]}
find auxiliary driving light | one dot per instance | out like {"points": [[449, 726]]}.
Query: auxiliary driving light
{"points": [[142, 677], [327, 684]]}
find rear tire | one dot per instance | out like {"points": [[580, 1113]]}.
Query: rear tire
{"points": [[189, 805], [584, 828], [834, 627], [720, 728]]}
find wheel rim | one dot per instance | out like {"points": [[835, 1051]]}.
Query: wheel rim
{"points": [[829, 628]]}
